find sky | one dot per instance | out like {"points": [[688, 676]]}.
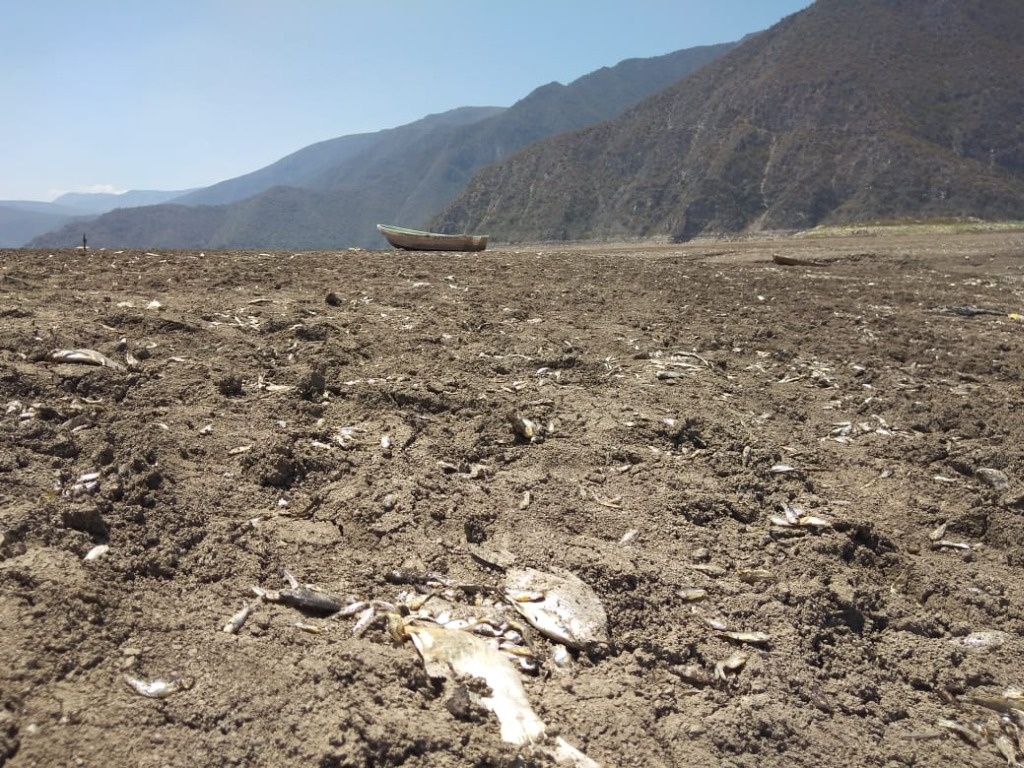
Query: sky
{"points": [[112, 95]]}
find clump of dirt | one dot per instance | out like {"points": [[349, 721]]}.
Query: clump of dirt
{"points": [[795, 488]]}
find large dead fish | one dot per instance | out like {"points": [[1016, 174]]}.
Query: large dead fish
{"points": [[454, 653], [560, 605], [84, 356], [448, 652]]}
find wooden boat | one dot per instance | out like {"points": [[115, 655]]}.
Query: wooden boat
{"points": [[789, 261], [418, 240]]}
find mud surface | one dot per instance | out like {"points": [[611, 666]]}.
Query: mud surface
{"points": [[675, 384]]}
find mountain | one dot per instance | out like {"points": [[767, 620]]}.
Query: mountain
{"points": [[306, 167], [340, 189], [843, 112], [23, 220], [101, 202]]}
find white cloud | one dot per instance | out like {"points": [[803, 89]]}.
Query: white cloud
{"points": [[109, 189], [89, 189]]}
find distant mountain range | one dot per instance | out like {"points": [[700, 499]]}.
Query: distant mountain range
{"points": [[22, 220], [847, 111], [844, 112], [332, 194]]}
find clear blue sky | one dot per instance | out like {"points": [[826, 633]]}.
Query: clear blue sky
{"points": [[110, 95]]}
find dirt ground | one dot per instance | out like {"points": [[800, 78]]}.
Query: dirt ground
{"points": [[688, 393]]}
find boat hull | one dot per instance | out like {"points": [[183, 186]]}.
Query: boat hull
{"points": [[418, 240]]}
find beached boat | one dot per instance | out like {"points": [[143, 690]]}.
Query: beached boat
{"points": [[418, 240]]}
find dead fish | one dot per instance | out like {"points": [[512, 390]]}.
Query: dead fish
{"points": [[734, 663], [308, 600], [525, 428], [453, 653], [755, 575], [629, 536], [561, 657], [993, 478], [159, 689], [691, 594], [947, 544], [752, 638], [366, 617], [969, 735], [796, 517], [982, 640], [84, 356], [1009, 703], [498, 559], [235, 622], [714, 571], [96, 552], [1006, 748], [561, 606], [449, 653]]}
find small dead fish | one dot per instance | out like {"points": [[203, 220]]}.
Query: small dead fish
{"points": [[734, 663], [969, 735], [235, 622], [312, 629], [159, 689], [795, 517], [691, 594], [308, 600], [781, 469], [363, 622], [716, 623], [993, 478], [96, 552], [947, 544], [561, 657], [568, 611], [711, 570], [629, 536], [613, 503], [351, 610], [1006, 748], [498, 559], [1010, 703], [525, 428], [982, 640], [752, 638], [755, 575], [85, 357]]}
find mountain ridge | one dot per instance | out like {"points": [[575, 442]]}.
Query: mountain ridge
{"points": [[408, 181], [834, 114]]}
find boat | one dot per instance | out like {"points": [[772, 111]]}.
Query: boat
{"points": [[418, 240]]}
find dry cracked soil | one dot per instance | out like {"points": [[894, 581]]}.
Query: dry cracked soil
{"points": [[795, 489]]}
